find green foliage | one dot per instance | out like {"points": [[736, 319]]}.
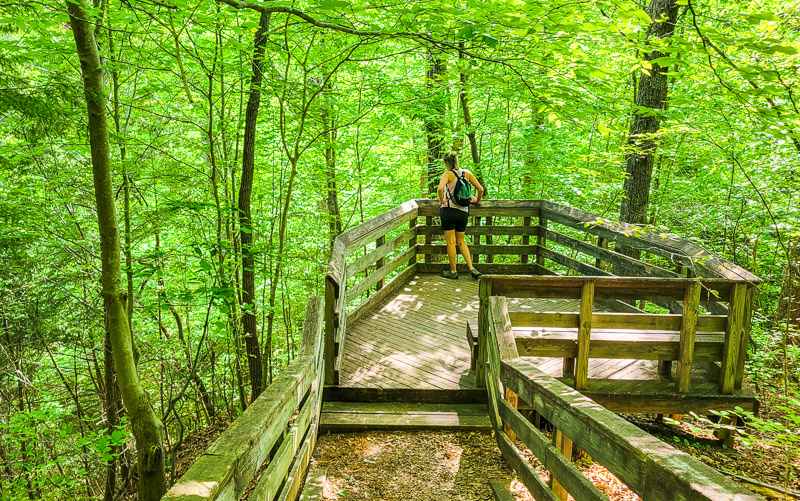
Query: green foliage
{"points": [[550, 89]]}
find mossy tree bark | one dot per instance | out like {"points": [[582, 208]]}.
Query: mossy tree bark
{"points": [[434, 126], [642, 140], [147, 428]]}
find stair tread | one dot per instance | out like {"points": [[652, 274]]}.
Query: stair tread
{"points": [[352, 416]]}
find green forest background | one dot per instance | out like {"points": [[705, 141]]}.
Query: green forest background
{"points": [[357, 103]]}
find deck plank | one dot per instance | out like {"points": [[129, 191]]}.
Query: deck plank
{"points": [[415, 339]]}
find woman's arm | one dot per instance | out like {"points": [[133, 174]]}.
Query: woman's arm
{"points": [[442, 183], [475, 184]]}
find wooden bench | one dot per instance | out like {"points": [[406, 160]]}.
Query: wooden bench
{"points": [[562, 342]]}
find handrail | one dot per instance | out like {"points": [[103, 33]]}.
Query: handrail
{"points": [[339, 294], [739, 296], [509, 237], [645, 464], [235, 459]]}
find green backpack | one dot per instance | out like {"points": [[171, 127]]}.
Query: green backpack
{"points": [[462, 191]]}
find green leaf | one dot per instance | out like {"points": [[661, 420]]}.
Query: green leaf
{"points": [[784, 49], [468, 31], [490, 41], [642, 16], [205, 265], [333, 4], [764, 16]]}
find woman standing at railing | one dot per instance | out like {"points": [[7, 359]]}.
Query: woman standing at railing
{"points": [[454, 210]]}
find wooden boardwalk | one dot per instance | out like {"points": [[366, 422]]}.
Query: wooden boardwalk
{"points": [[417, 339]]}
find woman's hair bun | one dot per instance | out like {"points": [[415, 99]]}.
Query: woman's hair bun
{"points": [[451, 157]]}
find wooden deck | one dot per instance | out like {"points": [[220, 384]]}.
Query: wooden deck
{"points": [[417, 339]]}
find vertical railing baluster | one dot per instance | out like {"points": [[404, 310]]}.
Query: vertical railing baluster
{"points": [[526, 239], [734, 331], [380, 262], [584, 334], [691, 309]]}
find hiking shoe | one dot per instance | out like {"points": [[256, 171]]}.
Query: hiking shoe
{"points": [[450, 274], [475, 273]]}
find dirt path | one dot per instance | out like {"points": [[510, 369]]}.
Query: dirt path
{"points": [[424, 466]]}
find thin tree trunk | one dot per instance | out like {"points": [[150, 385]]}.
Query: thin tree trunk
{"points": [[331, 199], [788, 311], [112, 420], [276, 277], [249, 319], [147, 428]]}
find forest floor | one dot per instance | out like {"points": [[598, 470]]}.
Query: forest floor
{"points": [[457, 465]]}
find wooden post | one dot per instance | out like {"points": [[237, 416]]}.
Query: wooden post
{"points": [[691, 307], [603, 244], [428, 238], [476, 240], [331, 323], [506, 347], [489, 240], [725, 435], [380, 262], [734, 331], [584, 333], [541, 239], [413, 241], [747, 323], [484, 293], [564, 446], [526, 240]]}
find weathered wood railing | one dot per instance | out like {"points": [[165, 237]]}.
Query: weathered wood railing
{"points": [[645, 464], [510, 237], [685, 337], [359, 267], [269, 446]]}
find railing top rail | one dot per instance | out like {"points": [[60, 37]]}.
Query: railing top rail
{"points": [[226, 467], [715, 289], [360, 235], [645, 463], [678, 250]]}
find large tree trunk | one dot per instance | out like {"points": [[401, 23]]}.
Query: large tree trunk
{"points": [[434, 128], [473, 143], [652, 93], [249, 323], [147, 428]]}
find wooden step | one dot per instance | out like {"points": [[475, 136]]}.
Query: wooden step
{"points": [[362, 416], [314, 486]]}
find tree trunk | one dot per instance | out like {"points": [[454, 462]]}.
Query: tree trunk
{"points": [[112, 419], [249, 320], [331, 199], [147, 428], [651, 93], [276, 277], [434, 128], [788, 311], [473, 143]]}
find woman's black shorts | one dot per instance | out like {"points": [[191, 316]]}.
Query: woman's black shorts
{"points": [[453, 219]]}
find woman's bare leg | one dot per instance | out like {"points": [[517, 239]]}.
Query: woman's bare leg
{"points": [[462, 246], [450, 238]]}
